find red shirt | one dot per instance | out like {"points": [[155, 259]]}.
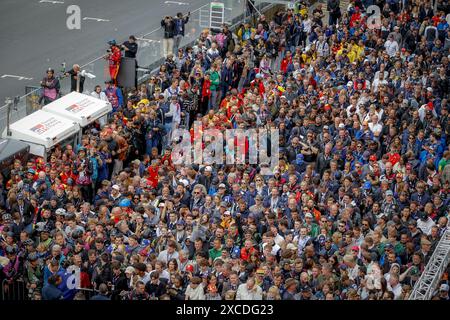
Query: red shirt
{"points": [[285, 63], [153, 176], [394, 158], [245, 254]]}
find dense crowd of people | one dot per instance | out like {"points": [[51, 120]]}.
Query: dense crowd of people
{"points": [[353, 210]]}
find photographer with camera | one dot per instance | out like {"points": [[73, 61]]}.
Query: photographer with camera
{"points": [[130, 47], [74, 73], [50, 87], [180, 21], [114, 56], [168, 24]]}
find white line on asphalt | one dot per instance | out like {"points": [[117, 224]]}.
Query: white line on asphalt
{"points": [[16, 77], [177, 2], [51, 1], [96, 19]]}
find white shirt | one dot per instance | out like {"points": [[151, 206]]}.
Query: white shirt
{"points": [[101, 95], [244, 294], [391, 47], [376, 83], [353, 272], [323, 49], [195, 294], [165, 256], [375, 127], [397, 290], [175, 112]]}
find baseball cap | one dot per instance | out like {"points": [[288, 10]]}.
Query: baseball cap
{"points": [[373, 158], [355, 248], [33, 256], [116, 187], [444, 287], [227, 213], [222, 185], [306, 289], [308, 215], [367, 185], [224, 204], [28, 242], [208, 169], [389, 193]]}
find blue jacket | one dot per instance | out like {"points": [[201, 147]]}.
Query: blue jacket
{"points": [[50, 292]]}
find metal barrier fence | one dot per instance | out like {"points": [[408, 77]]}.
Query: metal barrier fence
{"points": [[15, 290], [149, 56]]}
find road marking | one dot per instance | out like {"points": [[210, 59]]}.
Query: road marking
{"points": [[96, 19], [16, 77], [177, 2], [51, 1]]}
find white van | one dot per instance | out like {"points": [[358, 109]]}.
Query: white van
{"points": [[42, 130], [78, 107]]}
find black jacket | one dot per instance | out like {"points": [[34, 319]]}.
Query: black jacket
{"points": [[120, 284], [168, 27], [27, 213], [155, 289]]}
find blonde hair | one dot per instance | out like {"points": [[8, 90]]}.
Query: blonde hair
{"points": [[275, 292]]}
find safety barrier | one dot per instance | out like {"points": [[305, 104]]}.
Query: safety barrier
{"points": [[149, 56], [14, 290]]}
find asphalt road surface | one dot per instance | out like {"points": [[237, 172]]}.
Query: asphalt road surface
{"points": [[34, 34]]}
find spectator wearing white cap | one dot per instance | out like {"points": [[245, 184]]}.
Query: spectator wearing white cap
{"points": [[443, 292]]}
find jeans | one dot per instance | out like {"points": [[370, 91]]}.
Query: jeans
{"points": [[224, 89], [213, 100], [118, 166], [151, 143], [177, 42], [168, 128]]}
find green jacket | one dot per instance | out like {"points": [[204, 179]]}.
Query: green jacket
{"points": [[213, 253], [315, 229], [215, 80]]}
